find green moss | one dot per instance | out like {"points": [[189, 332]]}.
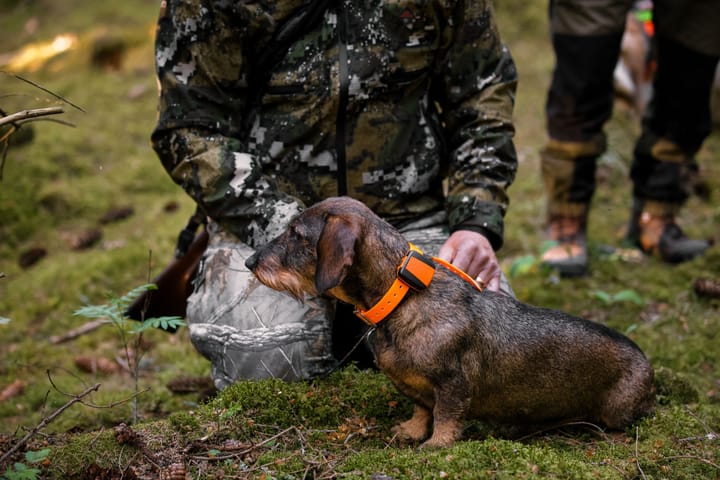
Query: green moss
{"points": [[80, 452], [497, 459], [674, 388], [326, 402], [65, 178], [184, 423]]}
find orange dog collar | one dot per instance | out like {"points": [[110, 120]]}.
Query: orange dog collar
{"points": [[415, 272]]}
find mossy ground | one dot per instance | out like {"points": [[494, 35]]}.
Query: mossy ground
{"points": [[63, 181]]}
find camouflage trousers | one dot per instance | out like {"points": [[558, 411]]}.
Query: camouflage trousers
{"points": [[249, 331]]}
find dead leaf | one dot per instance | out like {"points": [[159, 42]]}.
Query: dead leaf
{"points": [[96, 365], [137, 91], [31, 256], [13, 390], [116, 214], [83, 239]]}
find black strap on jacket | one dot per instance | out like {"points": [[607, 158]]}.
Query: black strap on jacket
{"points": [[187, 234], [340, 120]]}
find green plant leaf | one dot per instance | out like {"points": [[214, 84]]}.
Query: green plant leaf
{"points": [[21, 471], [622, 296], [628, 296], [130, 297], [522, 265], [604, 296], [96, 311], [37, 456], [159, 322]]}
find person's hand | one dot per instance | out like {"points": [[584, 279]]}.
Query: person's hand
{"points": [[471, 252]]}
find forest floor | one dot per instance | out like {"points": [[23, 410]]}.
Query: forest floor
{"points": [[87, 214]]}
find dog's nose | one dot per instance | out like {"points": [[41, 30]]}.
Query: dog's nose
{"points": [[252, 262]]}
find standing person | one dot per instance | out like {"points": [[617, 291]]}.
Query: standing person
{"points": [[586, 36], [266, 108]]}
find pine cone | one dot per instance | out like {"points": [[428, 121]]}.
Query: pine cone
{"points": [[126, 435], [176, 471], [707, 287]]}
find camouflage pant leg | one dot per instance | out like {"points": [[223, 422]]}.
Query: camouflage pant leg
{"points": [[431, 232], [568, 171], [249, 331], [677, 123]]}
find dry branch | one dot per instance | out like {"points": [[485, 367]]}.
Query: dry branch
{"points": [[92, 405], [28, 115], [637, 453], [45, 421], [81, 330]]}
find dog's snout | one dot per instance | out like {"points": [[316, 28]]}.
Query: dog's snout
{"points": [[252, 261]]}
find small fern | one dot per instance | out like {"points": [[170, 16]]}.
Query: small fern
{"points": [[114, 311]]}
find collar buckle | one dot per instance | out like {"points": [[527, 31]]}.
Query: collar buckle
{"points": [[361, 315], [416, 270]]}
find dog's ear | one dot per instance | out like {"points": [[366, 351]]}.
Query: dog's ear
{"points": [[335, 252]]}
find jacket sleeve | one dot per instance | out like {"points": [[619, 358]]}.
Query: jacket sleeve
{"points": [[201, 130], [476, 96]]}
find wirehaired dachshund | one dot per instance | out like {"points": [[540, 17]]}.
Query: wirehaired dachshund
{"points": [[457, 352]]}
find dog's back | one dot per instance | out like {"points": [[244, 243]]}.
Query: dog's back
{"points": [[527, 364], [602, 374]]}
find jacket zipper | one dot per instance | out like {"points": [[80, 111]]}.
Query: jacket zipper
{"points": [[344, 85]]}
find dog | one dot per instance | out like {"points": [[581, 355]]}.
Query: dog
{"points": [[457, 352]]}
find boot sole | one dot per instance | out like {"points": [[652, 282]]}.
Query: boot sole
{"points": [[569, 268]]}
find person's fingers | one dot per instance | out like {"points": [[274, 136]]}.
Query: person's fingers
{"points": [[490, 278], [494, 284], [472, 253], [446, 253]]}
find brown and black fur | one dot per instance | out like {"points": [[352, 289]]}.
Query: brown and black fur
{"points": [[455, 352]]}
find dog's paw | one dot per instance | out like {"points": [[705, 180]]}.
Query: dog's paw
{"points": [[411, 430], [444, 434], [437, 442]]}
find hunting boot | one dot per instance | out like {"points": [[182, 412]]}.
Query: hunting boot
{"points": [[655, 231], [570, 256], [568, 170]]}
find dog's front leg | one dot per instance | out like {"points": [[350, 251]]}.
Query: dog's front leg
{"points": [[417, 427], [449, 413]]}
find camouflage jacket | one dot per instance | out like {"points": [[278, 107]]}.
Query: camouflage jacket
{"points": [[380, 100]]}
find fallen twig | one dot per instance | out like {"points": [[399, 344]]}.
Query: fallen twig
{"points": [[637, 459], [92, 405], [593, 427], [247, 450], [45, 421], [81, 330], [710, 434], [693, 457], [711, 437]]}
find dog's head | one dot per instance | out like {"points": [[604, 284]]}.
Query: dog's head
{"points": [[315, 254]]}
